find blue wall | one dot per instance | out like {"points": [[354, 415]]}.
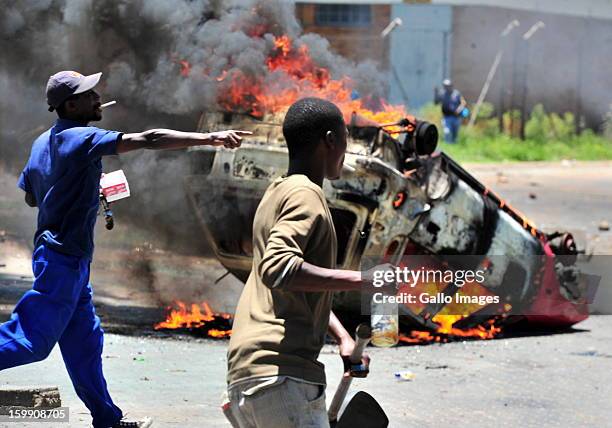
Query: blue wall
{"points": [[420, 56]]}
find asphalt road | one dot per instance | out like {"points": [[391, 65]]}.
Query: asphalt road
{"points": [[568, 195], [531, 381], [562, 380]]}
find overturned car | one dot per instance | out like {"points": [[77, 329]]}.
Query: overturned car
{"points": [[398, 201]]}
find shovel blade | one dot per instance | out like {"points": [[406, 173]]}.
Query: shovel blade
{"points": [[363, 411]]}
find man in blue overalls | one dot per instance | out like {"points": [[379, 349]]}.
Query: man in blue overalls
{"points": [[453, 105], [62, 179]]}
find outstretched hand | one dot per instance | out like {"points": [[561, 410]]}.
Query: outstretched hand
{"points": [[229, 139]]}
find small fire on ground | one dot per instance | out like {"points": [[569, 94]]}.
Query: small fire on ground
{"points": [[196, 319], [201, 320], [447, 333]]}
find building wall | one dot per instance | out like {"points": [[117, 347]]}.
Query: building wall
{"points": [[419, 53], [356, 43], [593, 8], [568, 62]]}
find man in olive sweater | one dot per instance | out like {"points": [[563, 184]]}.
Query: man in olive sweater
{"points": [[284, 312]]}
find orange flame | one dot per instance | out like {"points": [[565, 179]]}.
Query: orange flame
{"points": [[197, 316], [283, 43], [445, 329], [295, 75], [219, 334], [194, 316]]}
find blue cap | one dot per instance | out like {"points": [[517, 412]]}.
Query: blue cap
{"points": [[64, 84]]}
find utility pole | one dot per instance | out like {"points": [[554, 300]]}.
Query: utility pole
{"points": [[393, 24], [526, 37], [586, 28], [514, 84], [505, 86], [485, 88]]}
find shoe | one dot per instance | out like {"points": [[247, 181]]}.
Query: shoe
{"points": [[141, 423]]}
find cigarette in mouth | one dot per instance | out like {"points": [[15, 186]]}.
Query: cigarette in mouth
{"points": [[108, 104], [348, 168]]}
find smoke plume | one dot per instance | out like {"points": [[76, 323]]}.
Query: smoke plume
{"points": [[162, 61]]}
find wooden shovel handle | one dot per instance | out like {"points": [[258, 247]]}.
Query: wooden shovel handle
{"points": [[363, 336]]}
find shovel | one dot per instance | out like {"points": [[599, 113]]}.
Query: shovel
{"points": [[362, 410]]}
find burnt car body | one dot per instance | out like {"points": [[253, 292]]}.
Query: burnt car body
{"points": [[392, 204]]}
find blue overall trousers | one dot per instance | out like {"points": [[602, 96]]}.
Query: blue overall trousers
{"points": [[59, 309]]}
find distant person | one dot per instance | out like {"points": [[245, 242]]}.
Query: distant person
{"points": [[62, 179], [453, 105]]}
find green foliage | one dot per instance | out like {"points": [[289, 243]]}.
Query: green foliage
{"points": [[548, 137], [544, 127]]}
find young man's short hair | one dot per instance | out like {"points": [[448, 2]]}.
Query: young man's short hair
{"points": [[307, 121]]}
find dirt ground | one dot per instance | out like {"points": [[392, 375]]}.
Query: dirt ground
{"points": [[552, 380]]}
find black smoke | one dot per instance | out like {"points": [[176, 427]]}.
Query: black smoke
{"points": [[142, 47]]}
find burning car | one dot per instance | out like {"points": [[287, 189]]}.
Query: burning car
{"points": [[399, 202]]}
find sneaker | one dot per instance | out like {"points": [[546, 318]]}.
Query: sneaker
{"points": [[141, 423]]}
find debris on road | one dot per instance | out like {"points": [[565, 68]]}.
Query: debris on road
{"points": [[436, 367], [406, 375], [591, 352], [501, 178]]}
